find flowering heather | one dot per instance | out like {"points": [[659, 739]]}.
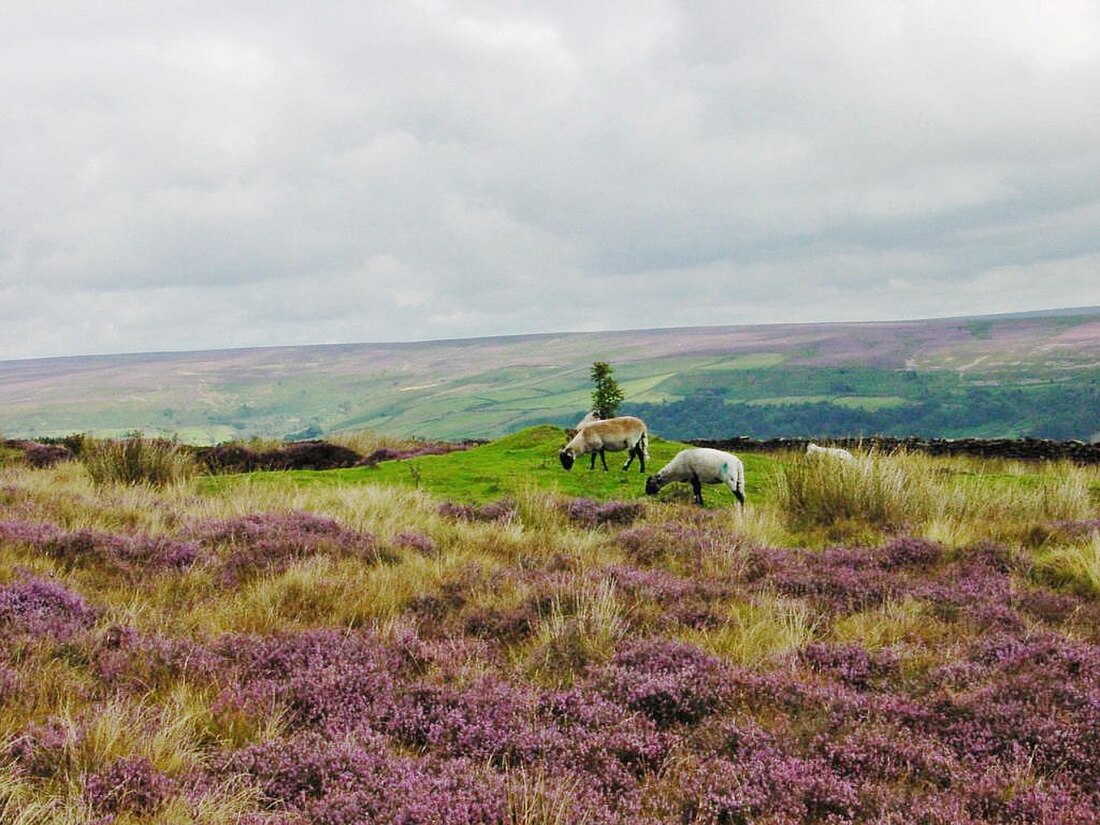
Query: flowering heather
{"points": [[345, 781], [271, 542], [500, 511], [398, 454], [692, 602], [127, 660], [34, 607], [850, 663], [592, 514], [322, 680], [671, 683], [30, 533], [132, 556], [43, 750], [933, 683], [419, 542], [40, 456], [130, 785], [684, 545]]}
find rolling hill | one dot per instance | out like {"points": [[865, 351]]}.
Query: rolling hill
{"points": [[1034, 374]]}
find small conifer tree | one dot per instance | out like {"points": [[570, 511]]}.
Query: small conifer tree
{"points": [[608, 395]]}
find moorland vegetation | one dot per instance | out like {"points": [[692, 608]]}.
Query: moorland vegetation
{"points": [[480, 637]]}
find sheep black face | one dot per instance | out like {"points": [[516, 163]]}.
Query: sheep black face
{"points": [[567, 459], [652, 486]]}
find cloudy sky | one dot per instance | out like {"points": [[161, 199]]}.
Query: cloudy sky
{"points": [[220, 174]]}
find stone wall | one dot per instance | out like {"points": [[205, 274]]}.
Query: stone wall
{"points": [[1026, 449]]}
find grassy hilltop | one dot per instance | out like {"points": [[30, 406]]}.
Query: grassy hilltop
{"points": [[480, 637], [1003, 376]]}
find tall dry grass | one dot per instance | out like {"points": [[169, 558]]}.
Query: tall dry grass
{"points": [[137, 460], [955, 501], [755, 632], [885, 491]]}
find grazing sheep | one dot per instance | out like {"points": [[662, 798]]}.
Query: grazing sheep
{"points": [[699, 466], [623, 433], [833, 452]]}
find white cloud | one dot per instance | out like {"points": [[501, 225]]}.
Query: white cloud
{"points": [[240, 174]]}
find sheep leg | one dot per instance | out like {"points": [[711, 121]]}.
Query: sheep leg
{"points": [[603, 460], [630, 460], [592, 464], [737, 494], [636, 452], [697, 489]]}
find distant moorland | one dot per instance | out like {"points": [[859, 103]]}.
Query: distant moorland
{"points": [[1035, 374]]}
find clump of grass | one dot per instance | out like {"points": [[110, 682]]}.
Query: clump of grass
{"points": [[757, 631], [906, 621], [577, 632], [137, 460], [886, 491], [1074, 567]]}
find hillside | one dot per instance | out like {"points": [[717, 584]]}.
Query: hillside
{"points": [[1032, 374]]}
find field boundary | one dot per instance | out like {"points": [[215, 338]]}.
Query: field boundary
{"points": [[1025, 449]]}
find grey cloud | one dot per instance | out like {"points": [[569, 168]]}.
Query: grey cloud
{"points": [[245, 174]]}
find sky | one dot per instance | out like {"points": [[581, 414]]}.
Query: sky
{"points": [[204, 175]]}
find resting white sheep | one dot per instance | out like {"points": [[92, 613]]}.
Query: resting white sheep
{"points": [[833, 452], [623, 433], [699, 466]]}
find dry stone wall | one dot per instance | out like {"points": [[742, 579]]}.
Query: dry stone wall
{"points": [[1025, 449]]}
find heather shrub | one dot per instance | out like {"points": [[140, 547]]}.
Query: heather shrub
{"points": [[696, 548], [33, 607], [137, 460], [345, 782], [671, 683], [502, 510], [323, 680], [592, 514], [416, 541], [132, 556], [269, 542], [661, 600], [130, 785], [33, 453], [45, 749]]}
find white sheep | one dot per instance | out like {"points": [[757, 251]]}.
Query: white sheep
{"points": [[699, 466], [832, 452], [623, 433]]}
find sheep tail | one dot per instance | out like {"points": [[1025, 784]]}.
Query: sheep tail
{"points": [[644, 442], [739, 484]]}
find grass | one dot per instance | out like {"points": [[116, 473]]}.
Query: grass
{"points": [[136, 460], [641, 660], [505, 467]]}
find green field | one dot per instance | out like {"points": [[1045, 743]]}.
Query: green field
{"points": [[509, 466]]}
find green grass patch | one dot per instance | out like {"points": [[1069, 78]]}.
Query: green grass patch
{"points": [[524, 461]]}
